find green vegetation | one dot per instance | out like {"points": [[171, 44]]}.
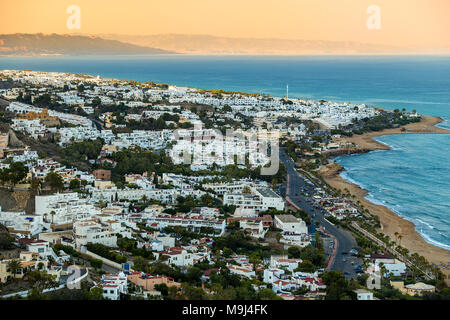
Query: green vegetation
{"points": [[96, 263], [55, 181], [67, 249], [338, 288], [81, 151], [14, 174], [106, 252], [309, 253]]}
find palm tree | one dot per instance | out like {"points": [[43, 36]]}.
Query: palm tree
{"points": [[400, 239], [396, 234], [13, 266], [278, 236], [254, 259], [52, 214], [36, 186]]}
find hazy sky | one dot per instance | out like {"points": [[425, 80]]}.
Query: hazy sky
{"points": [[403, 22]]}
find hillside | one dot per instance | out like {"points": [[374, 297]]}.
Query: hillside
{"points": [[54, 44]]}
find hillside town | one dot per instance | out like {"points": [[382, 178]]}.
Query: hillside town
{"points": [[114, 189]]}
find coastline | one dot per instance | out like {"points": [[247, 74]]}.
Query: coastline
{"points": [[390, 221]]}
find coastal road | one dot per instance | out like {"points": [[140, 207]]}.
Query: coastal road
{"points": [[344, 241]]}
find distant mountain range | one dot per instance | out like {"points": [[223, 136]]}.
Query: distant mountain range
{"points": [[207, 44], [55, 44], [114, 44]]}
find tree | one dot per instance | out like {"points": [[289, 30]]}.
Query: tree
{"points": [[278, 236], [226, 108], [36, 186], [96, 102], [126, 244], [14, 174], [293, 252], [96, 263], [52, 213], [96, 293], [74, 184], [173, 293], [227, 252], [318, 244], [43, 100], [41, 280], [194, 275], [140, 263], [14, 266], [55, 181], [83, 183], [306, 266], [312, 254], [254, 259], [192, 293], [267, 294], [162, 287], [6, 240], [337, 286]]}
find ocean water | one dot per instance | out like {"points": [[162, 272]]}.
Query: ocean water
{"points": [[413, 178]]}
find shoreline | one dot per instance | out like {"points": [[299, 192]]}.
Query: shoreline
{"points": [[389, 220]]}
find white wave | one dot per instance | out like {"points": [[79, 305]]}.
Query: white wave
{"points": [[425, 223], [434, 242], [407, 101], [415, 221], [444, 124], [398, 210], [392, 147], [345, 176]]}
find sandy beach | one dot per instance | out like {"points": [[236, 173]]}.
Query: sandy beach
{"points": [[391, 222]]}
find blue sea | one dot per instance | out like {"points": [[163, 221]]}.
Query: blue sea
{"points": [[412, 179]]}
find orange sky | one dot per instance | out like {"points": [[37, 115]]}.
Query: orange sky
{"points": [[403, 22]]}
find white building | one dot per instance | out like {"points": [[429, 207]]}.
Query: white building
{"points": [[261, 199], [284, 262], [193, 222], [241, 271], [113, 285], [362, 294], [90, 231], [289, 223], [67, 208]]}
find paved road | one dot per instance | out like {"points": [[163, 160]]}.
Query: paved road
{"points": [[345, 241]]}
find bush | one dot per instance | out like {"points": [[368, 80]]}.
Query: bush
{"points": [[67, 249], [96, 263], [105, 252]]}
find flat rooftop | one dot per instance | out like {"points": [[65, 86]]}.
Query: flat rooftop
{"points": [[287, 218], [267, 193]]}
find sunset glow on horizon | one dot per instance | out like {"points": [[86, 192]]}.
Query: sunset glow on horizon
{"points": [[403, 22]]}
